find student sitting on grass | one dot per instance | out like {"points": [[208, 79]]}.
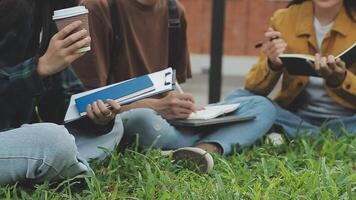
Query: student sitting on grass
{"points": [[323, 28], [144, 46], [34, 71]]}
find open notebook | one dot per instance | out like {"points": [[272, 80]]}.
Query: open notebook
{"points": [[213, 114], [213, 111]]}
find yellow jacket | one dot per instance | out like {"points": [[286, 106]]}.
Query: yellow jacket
{"points": [[297, 28]]}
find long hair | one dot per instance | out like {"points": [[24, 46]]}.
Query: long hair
{"points": [[21, 23], [350, 6], [15, 32]]}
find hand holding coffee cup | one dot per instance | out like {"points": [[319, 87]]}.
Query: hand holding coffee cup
{"points": [[62, 49], [71, 42], [67, 16]]}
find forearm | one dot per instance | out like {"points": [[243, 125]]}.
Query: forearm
{"points": [[23, 78], [144, 103], [262, 79]]}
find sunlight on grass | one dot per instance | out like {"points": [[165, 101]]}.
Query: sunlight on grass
{"points": [[323, 168]]}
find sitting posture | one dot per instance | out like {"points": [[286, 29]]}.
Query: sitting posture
{"points": [[36, 81], [135, 37], [324, 28]]}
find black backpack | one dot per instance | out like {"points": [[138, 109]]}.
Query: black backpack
{"points": [[174, 26]]}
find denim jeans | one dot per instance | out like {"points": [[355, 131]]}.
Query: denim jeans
{"points": [[37, 153], [293, 124], [45, 151], [155, 131]]}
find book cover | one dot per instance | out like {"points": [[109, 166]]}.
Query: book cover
{"points": [[162, 82], [214, 121], [300, 64], [119, 92]]}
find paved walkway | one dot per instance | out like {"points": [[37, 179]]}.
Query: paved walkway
{"points": [[234, 71]]}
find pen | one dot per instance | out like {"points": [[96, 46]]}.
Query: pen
{"points": [[259, 45], [178, 87]]}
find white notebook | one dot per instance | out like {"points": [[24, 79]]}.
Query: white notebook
{"points": [[213, 111]]}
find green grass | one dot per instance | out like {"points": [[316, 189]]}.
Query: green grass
{"points": [[303, 169]]}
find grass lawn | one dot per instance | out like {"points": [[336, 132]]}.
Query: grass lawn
{"points": [[303, 169]]}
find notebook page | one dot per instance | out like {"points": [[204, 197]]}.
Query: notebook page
{"points": [[210, 112]]}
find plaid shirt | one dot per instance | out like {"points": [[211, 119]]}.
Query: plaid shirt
{"points": [[22, 90]]}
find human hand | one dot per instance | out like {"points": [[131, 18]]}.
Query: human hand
{"points": [[175, 106], [62, 49], [100, 114], [332, 69], [273, 46]]}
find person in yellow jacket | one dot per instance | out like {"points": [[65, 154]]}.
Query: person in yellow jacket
{"points": [[323, 28]]}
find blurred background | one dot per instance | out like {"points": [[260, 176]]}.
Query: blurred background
{"points": [[245, 22]]}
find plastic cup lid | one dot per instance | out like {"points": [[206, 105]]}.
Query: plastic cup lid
{"points": [[69, 12]]}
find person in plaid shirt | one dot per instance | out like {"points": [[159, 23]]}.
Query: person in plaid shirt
{"points": [[36, 83]]}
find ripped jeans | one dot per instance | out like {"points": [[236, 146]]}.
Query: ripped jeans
{"points": [[155, 131]]}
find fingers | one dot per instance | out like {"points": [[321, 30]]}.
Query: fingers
{"points": [[332, 69], [99, 112], [81, 43], [74, 37], [185, 101], [96, 106], [90, 112], [324, 67], [116, 107], [317, 62], [186, 97], [187, 105], [340, 64], [272, 34], [275, 48], [67, 30]]}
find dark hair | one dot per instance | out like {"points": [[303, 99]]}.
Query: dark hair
{"points": [[21, 22], [15, 29], [350, 6]]}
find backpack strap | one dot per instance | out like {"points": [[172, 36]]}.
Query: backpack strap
{"points": [[174, 26], [115, 45]]}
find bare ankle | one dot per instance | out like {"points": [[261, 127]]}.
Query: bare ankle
{"points": [[210, 147]]}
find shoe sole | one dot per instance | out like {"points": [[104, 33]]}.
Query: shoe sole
{"points": [[196, 155]]}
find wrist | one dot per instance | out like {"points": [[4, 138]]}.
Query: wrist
{"points": [[275, 66], [42, 67], [152, 104]]}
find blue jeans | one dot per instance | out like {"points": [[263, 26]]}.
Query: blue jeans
{"points": [[152, 129], [293, 124], [37, 153], [45, 151]]}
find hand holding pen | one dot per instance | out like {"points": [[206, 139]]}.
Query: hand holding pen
{"points": [[273, 45]]}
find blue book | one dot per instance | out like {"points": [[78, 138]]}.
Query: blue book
{"points": [[121, 92]]}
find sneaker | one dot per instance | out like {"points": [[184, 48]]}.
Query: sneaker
{"points": [[198, 156], [275, 139]]}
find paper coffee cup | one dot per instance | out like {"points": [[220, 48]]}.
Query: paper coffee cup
{"points": [[67, 16]]}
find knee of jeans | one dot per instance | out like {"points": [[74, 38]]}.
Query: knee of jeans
{"points": [[262, 108], [240, 92], [57, 145], [147, 125], [140, 121]]}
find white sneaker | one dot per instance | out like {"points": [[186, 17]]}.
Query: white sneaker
{"points": [[275, 139], [198, 156]]}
